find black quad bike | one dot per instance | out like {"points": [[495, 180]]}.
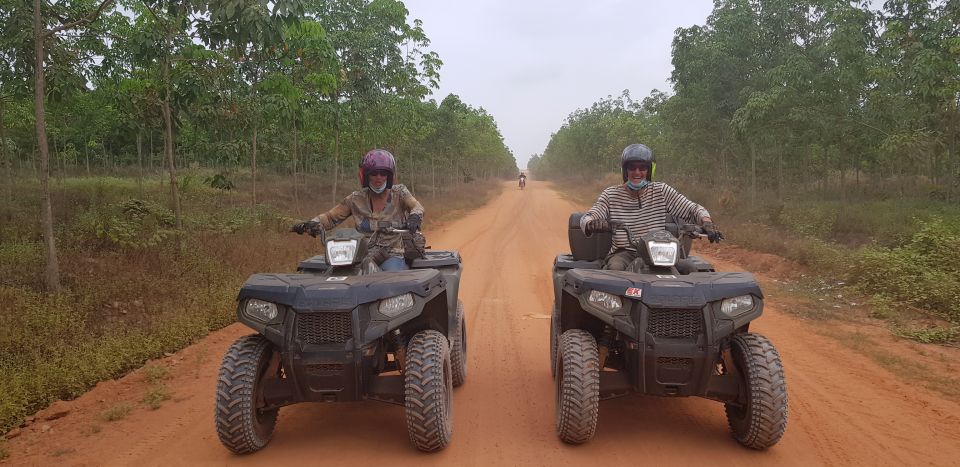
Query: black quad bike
{"points": [[668, 326], [342, 330]]}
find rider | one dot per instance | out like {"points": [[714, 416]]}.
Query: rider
{"points": [[523, 179], [641, 205], [378, 200]]}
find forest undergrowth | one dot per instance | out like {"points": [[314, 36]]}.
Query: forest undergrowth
{"points": [[134, 288]]}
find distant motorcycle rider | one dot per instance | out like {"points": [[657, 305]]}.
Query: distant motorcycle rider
{"points": [[641, 205], [378, 200], [523, 180]]}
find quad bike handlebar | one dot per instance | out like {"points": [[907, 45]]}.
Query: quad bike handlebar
{"points": [[686, 230], [314, 229]]}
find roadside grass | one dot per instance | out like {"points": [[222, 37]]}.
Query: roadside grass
{"points": [[116, 412], [904, 368], [133, 288], [155, 396]]}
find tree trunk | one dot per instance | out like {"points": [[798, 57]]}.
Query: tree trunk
{"points": [[53, 266], [140, 160], [780, 174], [296, 163], [336, 156], [150, 155], [253, 163], [753, 175], [7, 165], [168, 141]]}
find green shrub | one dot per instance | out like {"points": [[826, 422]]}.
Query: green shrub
{"points": [[132, 223], [117, 412], [924, 273], [219, 181], [935, 335], [155, 396]]}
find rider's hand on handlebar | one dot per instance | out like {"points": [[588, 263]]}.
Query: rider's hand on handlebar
{"points": [[309, 227], [713, 234], [413, 222], [597, 225]]}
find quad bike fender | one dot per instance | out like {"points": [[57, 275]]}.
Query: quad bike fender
{"points": [[702, 290], [306, 293], [429, 312]]}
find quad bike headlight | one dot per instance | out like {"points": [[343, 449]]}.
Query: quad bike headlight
{"points": [[260, 310], [662, 253], [607, 302], [737, 306], [394, 306], [341, 252]]}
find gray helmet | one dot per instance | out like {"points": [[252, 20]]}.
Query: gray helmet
{"points": [[638, 153]]}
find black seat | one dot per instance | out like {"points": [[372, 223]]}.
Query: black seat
{"points": [[584, 248]]}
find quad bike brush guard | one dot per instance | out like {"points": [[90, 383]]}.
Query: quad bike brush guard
{"points": [[668, 326], [342, 330]]}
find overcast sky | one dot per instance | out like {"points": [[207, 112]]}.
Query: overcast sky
{"points": [[530, 63]]}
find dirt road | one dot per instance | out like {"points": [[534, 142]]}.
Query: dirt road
{"points": [[844, 409]]}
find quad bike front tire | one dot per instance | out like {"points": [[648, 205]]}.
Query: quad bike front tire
{"points": [[578, 386], [242, 425], [458, 348], [428, 391], [760, 420]]}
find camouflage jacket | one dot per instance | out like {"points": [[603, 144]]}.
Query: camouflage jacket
{"points": [[400, 204]]}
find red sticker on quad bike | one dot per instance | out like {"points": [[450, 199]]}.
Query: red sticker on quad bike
{"points": [[633, 292]]}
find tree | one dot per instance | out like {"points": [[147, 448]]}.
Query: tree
{"points": [[41, 35]]}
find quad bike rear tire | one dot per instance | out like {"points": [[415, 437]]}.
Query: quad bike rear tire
{"points": [[578, 386], [554, 337], [760, 421], [428, 390], [242, 425], [458, 348]]}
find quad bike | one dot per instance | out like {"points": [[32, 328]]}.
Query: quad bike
{"points": [[668, 326], [342, 330]]}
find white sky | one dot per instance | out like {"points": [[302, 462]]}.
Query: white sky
{"points": [[531, 63]]}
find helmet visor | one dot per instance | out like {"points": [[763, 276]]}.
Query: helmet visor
{"points": [[635, 165]]}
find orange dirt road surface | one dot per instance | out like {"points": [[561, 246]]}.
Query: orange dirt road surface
{"points": [[844, 409]]}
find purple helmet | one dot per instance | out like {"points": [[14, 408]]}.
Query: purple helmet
{"points": [[377, 159]]}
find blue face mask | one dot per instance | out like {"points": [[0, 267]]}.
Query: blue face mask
{"points": [[378, 190], [637, 186]]}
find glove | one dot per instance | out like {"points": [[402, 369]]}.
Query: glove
{"points": [[413, 222], [713, 234], [414, 245], [379, 255], [309, 227], [597, 225]]}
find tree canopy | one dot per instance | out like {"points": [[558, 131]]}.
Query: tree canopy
{"points": [[829, 94]]}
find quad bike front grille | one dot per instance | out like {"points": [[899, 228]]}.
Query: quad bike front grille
{"points": [[675, 363], [324, 369], [677, 324], [333, 327]]}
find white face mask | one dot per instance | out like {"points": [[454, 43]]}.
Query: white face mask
{"points": [[378, 190]]}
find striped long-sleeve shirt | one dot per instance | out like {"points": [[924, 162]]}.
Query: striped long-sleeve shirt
{"points": [[643, 214]]}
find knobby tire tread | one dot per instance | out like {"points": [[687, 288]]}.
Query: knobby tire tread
{"points": [[458, 348], [578, 386], [236, 413], [764, 421], [428, 385]]}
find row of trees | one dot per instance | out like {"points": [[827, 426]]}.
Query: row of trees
{"points": [[293, 85], [780, 93]]}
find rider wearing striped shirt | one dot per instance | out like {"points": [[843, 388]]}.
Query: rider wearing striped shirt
{"points": [[642, 206]]}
